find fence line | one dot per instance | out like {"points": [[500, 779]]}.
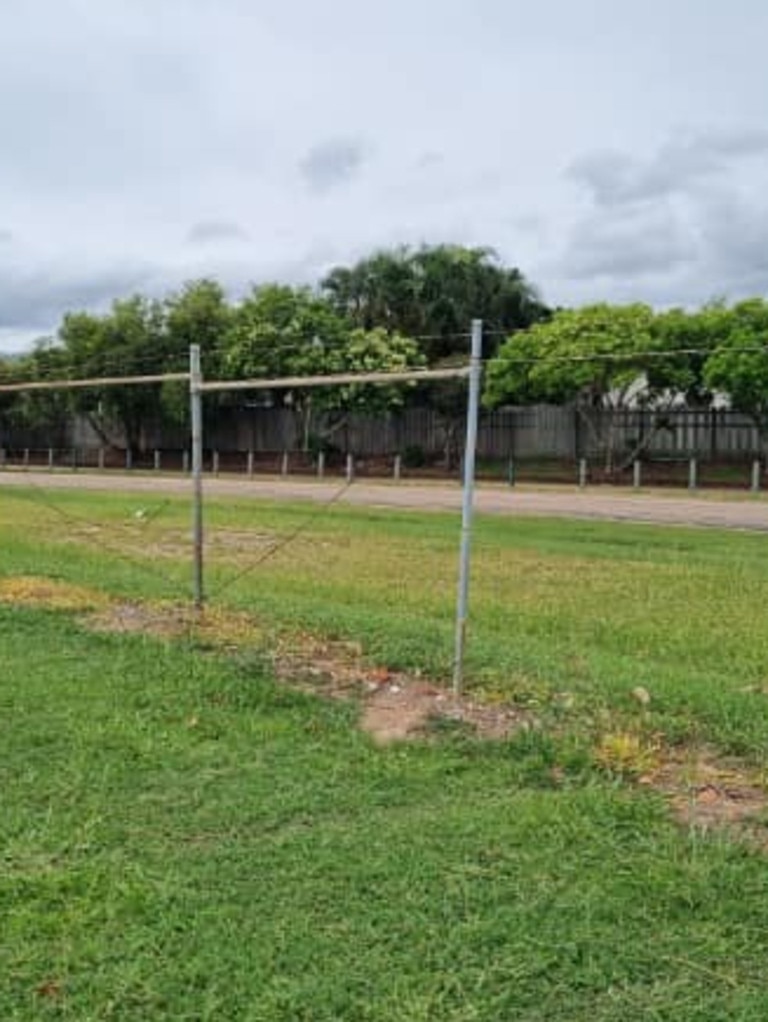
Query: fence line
{"points": [[529, 433]]}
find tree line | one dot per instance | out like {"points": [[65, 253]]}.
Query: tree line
{"points": [[400, 309], [605, 359]]}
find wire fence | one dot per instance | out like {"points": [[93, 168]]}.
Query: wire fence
{"points": [[193, 459], [604, 445]]}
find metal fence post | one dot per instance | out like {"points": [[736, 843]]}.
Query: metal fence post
{"points": [[249, 465], [397, 468], [350, 468], [582, 473], [196, 410], [284, 464], [693, 474], [637, 474], [320, 464], [756, 475], [470, 452]]}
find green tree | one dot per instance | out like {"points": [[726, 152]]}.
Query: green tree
{"points": [[595, 357], [198, 314], [283, 331], [433, 293], [738, 366], [364, 351], [8, 374], [131, 340], [43, 409], [684, 340]]}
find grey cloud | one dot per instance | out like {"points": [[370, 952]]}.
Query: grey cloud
{"points": [[430, 159], [735, 238], [628, 247], [614, 178], [208, 231], [38, 298], [529, 223], [333, 163], [6, 237], [720, 247]]}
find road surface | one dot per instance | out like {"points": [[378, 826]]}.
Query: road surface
{"points": [[747, 513]]}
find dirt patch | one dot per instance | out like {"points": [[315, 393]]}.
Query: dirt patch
{"points": [[707, 791], [395, 712], [49, 594], [221, 630], [394, 706], [404, 709]]}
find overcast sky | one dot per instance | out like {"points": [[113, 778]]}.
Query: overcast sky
{"points": [[612, 149]]}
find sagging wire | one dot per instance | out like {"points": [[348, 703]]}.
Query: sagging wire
{"points": [[39, 495], [286, 540]]}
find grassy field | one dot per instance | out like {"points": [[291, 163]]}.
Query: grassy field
{"points": [[185, 838]]}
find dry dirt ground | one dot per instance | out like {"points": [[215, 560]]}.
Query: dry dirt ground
{"points": [[749, 512]]}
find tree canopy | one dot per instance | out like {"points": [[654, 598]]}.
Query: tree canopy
{"points": [[433, 293], [738, 365], [401, 308]]}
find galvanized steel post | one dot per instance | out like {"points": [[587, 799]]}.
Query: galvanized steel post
{"points": [[196, 410], [473, 412]]}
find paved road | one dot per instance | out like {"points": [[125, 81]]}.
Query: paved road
{"points": [[747, 513]]}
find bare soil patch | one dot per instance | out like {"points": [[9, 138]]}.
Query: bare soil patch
{"points": [[707, 791], [219, 629], [395, 706], [403, 709]]}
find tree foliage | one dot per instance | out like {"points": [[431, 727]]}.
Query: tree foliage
{"points": [[738, 365], [595, 357], [433, 293], [592, 356], [400, 308], [683, 342], [280, 331], [129, 340]]}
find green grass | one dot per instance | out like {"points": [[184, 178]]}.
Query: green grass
{"points": [[586, 609], [183, 839]]}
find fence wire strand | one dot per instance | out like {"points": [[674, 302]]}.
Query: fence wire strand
{"points": [[285, 541], [83, 526]]}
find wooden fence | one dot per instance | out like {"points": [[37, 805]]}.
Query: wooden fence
{"points": [[539, 432]]}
